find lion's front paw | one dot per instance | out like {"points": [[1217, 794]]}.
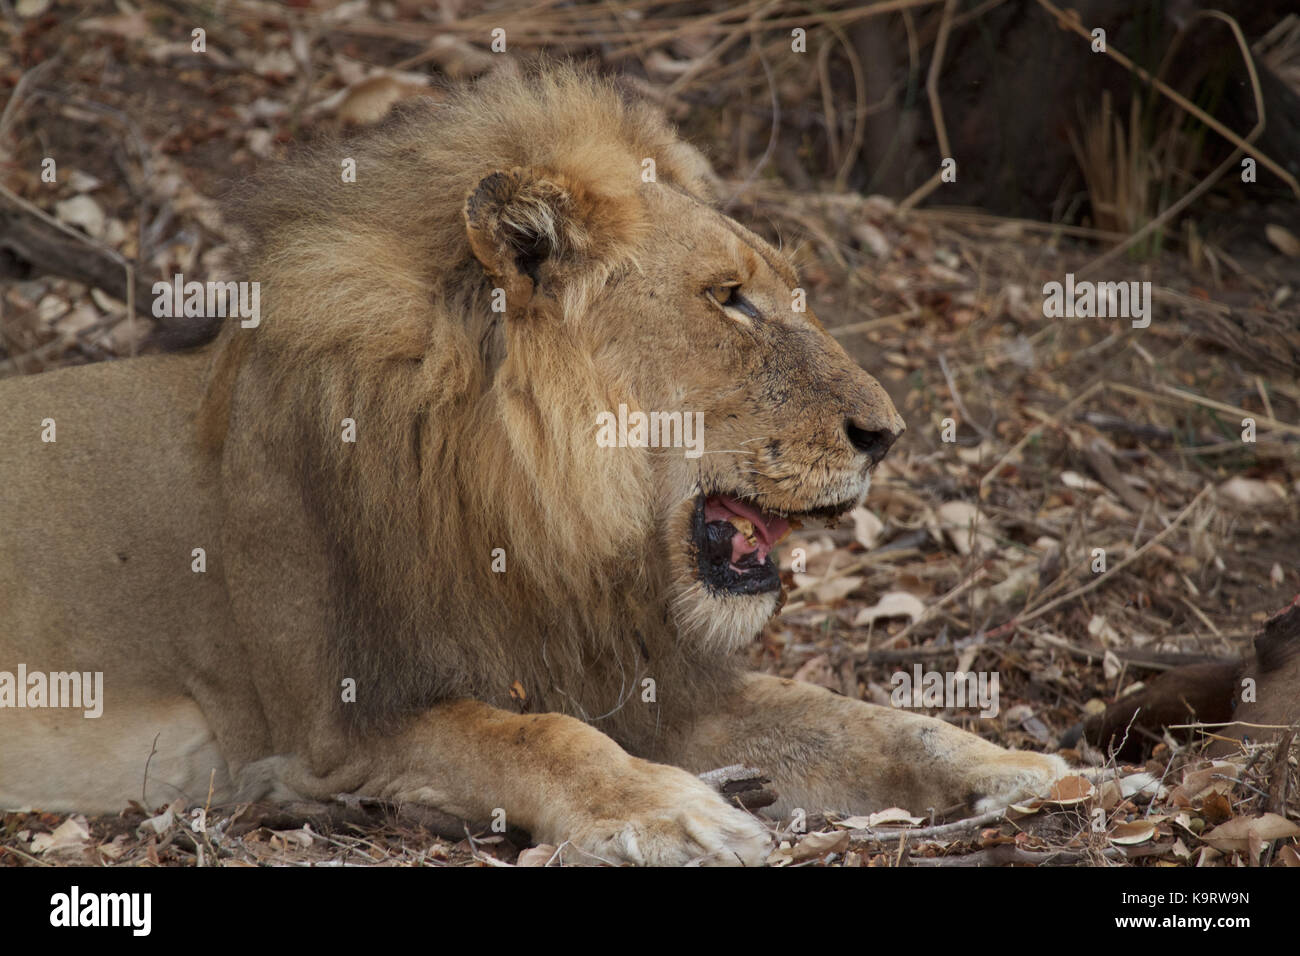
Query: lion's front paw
{"points": [[1015, 776], [680, 821]]}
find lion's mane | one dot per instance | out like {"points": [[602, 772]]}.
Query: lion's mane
{"points": [[469, 438]]}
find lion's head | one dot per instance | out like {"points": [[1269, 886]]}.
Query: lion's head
{"points": [[522, 299], [690, 319]]}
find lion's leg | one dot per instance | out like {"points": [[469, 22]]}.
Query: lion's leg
{"points": [[558, 778], [826, 752]]}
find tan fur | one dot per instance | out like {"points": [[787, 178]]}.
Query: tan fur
{"points": [[475, 430]]}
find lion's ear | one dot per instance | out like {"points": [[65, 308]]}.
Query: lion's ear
{"points": [[519, 225]]}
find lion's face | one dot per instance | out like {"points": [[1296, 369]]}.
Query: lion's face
{"points": [[787, 427], [750, 414]]}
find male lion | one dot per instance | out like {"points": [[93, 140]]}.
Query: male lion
{"points": [[474, 604]]}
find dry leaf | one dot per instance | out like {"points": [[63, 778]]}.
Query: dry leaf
{"points": [[1251, 492], [1110, 665], [1215, 808], [1196, 783], [893, 815], [82, 211], [866, 527], [115, 849], [664, 67], [71, 835], [538, 855], [458, 58], [871, 239], [783, 855], [1283, 240], [852, 823], [827, 589], [1070, 790], [1109, 795], [302, 837], [1130, 834], [165, 820], [966, 527], [1072, 479], [1240, 832], [886, 817], [819, 844], [892, 604], [80, 182], [370, 100], [130, 26], [1021, 579], [272, 63], [1100, 629]]}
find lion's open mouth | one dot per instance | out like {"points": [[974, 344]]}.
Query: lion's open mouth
{"points": [[734, 540]]}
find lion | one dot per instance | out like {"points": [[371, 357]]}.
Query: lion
{"points": [[370, 544]]}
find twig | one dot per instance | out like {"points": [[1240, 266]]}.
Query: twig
{"points": [[679, 84], [1025, 439], [876, 557], [956, 399], [1149, 660], [868, 324], [20, 89], [1072, 23], [773, 134], [86, 273], [1178, 393], [927, 187], [1136, 555], [1279, 774], [1198, 725], [861, 109], [1007, 854], [1200, 188], [25, 856], [144, 782], [940, 832], [932, 80]]}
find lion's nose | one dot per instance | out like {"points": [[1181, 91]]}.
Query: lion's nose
{"points": [[874, 443]]}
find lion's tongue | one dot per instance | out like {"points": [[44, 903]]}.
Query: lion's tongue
{"points": [[768, 529]]}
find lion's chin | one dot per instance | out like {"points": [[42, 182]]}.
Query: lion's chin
{"points": [[718, 622], [733, 585]]}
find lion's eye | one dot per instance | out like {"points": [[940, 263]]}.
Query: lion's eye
{"points": [[722, 294], [728, 296]]}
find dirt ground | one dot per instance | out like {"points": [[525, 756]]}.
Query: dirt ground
{"points": [[1032, 442]]}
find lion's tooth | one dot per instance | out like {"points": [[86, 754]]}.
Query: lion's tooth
{"points": [[745, 527]]}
